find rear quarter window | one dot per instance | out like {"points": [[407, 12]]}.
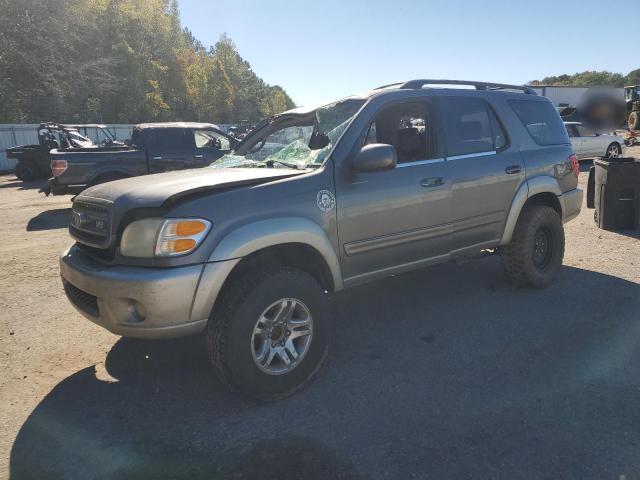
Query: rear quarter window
{"points": [[541, 121]]}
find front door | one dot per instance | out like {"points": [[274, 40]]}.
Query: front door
{"points": [[171, 149], [395, 220], [591, 143], [485, 170]]}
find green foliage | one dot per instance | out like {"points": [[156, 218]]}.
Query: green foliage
{"points": [[121, 61], [592, 78]]}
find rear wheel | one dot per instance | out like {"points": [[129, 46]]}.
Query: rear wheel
{"points": [[634, 121], [534, 256], [270, 333], [613, 151], [26, 171]]}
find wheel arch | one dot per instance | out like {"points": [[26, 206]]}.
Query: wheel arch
{"points": [[542, 190], [111, 175], [293, 242], [275, 234]]}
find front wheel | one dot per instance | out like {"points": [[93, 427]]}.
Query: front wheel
{"points": [[270, 333], [613, 151], [534, 256]]}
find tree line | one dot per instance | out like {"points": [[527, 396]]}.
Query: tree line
{"points": [[121, 61], [592, 78]]}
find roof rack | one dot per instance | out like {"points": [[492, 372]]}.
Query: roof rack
{"points": [[414, 84], [389, 85]]}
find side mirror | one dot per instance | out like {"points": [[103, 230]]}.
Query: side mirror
{"points": [[375, 158]]}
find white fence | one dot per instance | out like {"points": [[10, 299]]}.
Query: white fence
{"points": [[27, 134]]}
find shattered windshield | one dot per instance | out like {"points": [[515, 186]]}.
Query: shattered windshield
{"points": [[294, 141]]}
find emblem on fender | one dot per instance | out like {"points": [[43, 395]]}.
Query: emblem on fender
{"points": [[326, 201]]}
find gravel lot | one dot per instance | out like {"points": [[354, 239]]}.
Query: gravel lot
{"points": [[443, 373]]}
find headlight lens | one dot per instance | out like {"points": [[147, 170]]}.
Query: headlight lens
{"points": [[163, 238]]}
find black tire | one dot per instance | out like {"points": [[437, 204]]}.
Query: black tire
{"points": [[26, 171], [526, 261], [230, 330], [613, 146], [634, 121]]}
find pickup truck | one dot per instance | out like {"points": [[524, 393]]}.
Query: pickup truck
{"points": [[33, 161], [155, 148]]}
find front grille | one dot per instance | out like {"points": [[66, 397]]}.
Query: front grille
{"points": [[84, 301], [91, 223]]}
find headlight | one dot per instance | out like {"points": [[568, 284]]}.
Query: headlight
{"points": [[163, 238]]}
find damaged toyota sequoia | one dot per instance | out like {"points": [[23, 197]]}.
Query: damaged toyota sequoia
{"points": [[247, 251]]}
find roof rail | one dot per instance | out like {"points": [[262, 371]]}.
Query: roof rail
{"points": [[389, 85], [413, 84]]}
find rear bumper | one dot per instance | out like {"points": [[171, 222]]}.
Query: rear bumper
{"points": [[55, 188], [570, 203]]}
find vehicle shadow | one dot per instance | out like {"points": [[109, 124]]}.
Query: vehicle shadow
{"points": [[443, 373], [50, 220], [20, 185]]}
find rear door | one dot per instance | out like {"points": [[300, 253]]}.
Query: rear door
{"points": [[171, 149], [486, 170], [210, 145]]}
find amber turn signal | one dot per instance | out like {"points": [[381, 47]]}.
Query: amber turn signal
{"points": [[183, 245], [187, 228]]}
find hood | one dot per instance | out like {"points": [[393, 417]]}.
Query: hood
{"points": [[152, 191]]}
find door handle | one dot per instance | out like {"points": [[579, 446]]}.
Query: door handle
{"points": [[513, 169], [157, 158], [432, 182], [198, 156]]}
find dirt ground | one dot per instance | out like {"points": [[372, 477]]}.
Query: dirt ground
{"points": [[448, 372]]}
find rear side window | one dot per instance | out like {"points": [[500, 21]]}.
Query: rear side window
{"points": [[172, 138], [541, 120], [471, 127]]}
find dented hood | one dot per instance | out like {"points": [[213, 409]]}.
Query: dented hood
{"points": [[152, 191]]}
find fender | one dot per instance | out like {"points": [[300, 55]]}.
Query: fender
{"points": [[267, 233], [253, 237], [531, 187]]}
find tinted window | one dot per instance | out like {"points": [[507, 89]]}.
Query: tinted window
{"points": [[469, 126], [541, 120], [499, 137], [172, 138]]}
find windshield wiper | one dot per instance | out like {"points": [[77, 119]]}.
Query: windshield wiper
{"points": [[295, 166]]}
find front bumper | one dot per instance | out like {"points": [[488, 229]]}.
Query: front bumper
{"points": [[570, 203], [142, 302]]}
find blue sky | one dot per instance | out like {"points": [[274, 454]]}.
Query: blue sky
{"points": [[325, 49]]}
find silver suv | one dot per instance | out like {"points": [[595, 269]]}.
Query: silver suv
{"points": [[247, 251]]}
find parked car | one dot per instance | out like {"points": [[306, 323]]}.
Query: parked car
{"points": [[34, 160], [247, 251], [155, 147], [589, 144]]}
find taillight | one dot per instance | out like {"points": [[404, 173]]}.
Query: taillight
{"points": [[58, 167], [575, 166]]}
